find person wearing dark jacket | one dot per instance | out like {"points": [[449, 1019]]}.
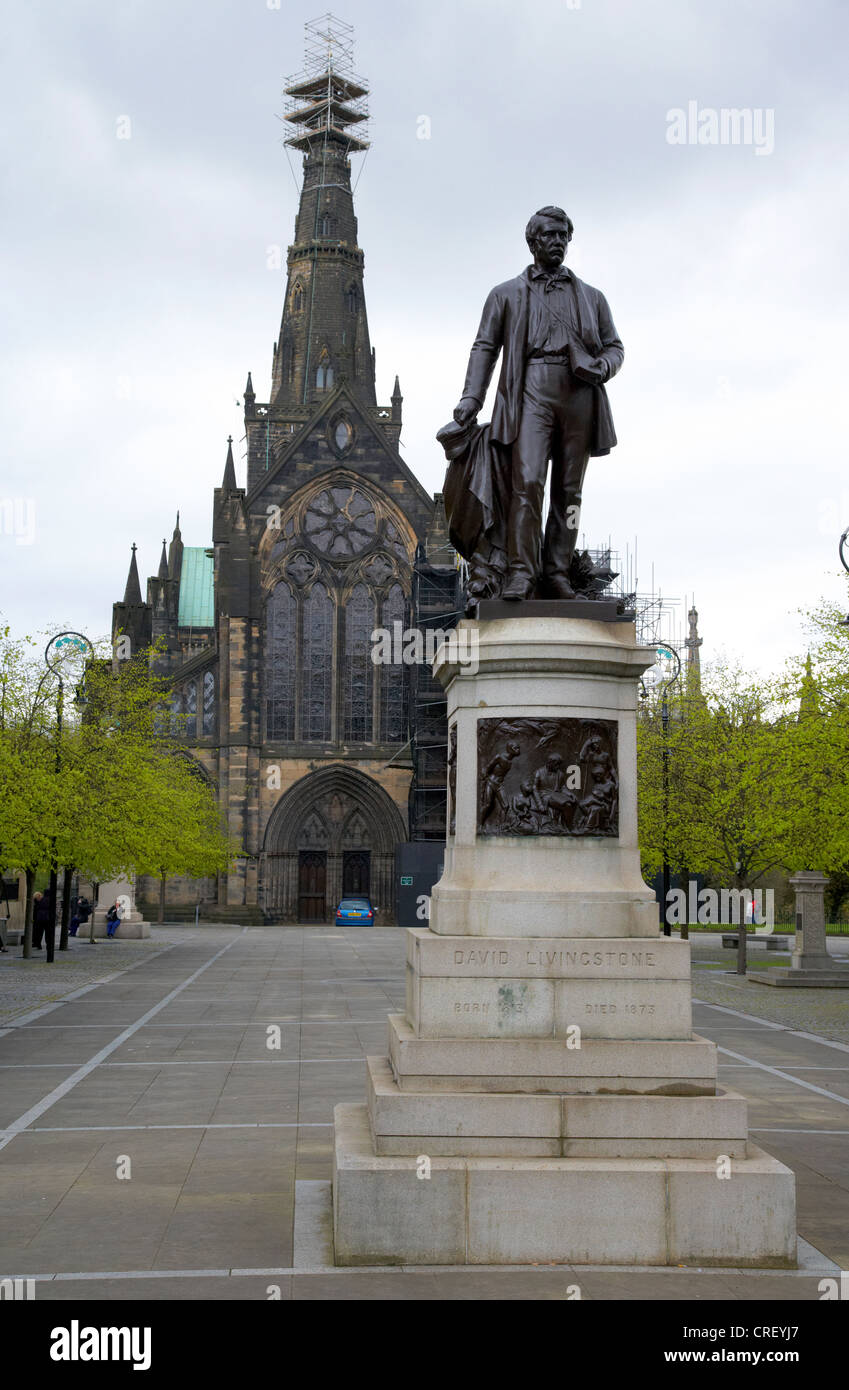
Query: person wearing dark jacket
{"points": [[40, 919], [113, 920], [82, 912]]}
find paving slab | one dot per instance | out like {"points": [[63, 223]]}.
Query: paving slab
{"points": [[219, 1129]]}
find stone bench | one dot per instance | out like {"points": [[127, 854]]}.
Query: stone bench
{"points": [[770, 943]]}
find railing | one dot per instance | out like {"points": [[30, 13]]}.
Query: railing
{"points": [[785, 920]]}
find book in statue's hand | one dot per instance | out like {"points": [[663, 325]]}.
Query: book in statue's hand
{"points": [[586, 367]]}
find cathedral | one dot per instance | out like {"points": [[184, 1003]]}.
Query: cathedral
{"points": [[325, 764]]}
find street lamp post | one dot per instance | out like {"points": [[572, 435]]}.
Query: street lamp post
{"points": [[671, 655], [841, 550], [58, 649]]}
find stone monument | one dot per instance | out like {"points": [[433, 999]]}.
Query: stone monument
{"points": [[121, 891], [811, 966], [544, 1098]]}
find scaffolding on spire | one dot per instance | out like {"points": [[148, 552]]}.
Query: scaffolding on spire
{"points": [[327, 96]]}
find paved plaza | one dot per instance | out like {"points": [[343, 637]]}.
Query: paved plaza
{"points": [[153, 1059]]}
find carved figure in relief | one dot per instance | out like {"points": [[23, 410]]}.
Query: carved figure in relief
{"points": [[525, 816], [492, 794], [598, 806]]}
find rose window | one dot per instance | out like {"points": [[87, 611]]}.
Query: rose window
{"points": [[341, 521]]}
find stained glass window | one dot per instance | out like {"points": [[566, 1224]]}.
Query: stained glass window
{"points": [[395, 541], [359, 670], [192, 710], [392, 684], [317, 669], [341, 522], [280, 664], [208, 703]]}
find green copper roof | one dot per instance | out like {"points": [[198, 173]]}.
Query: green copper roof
{"points": [[197, 595]]}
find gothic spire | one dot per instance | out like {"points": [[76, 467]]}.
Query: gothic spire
{"points": [[693, 642], [175, 552], [132, 593], [809, 692], [163, 564], [324, 329], [229, 481]]}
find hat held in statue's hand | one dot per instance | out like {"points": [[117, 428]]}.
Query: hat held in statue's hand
{"points": [[455, 438]]}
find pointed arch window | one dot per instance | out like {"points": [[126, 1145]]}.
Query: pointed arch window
{"points": [[352, 299], [321, 685], [393, 689], [326, 225], [297, 297], [359, 669], [191, 709], [317, 666], [280, 664], [324, 375], [208, 703]]}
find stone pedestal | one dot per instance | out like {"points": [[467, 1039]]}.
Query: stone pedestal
{"points": [[544, 1097], [811, 966], [122, 891]]}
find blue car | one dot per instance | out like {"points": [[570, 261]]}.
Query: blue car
{"points": [[355, 912]]}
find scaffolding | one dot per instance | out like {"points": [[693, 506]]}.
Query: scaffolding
{"points": [[657, 617], [326, 96], [436, 605]]}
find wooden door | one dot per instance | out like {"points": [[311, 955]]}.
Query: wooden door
{"points": [[312, 883], [356, 873]]}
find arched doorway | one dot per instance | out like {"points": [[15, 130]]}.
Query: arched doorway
{"points": [[333, 833]]}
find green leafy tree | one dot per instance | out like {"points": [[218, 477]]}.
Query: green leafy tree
{"points": [[724, 755], [815, 692], [120, 799], [28, 804]]}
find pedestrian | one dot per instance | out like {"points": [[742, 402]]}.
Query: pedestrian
{"points": [[82, 912], [40, 919], [113, 920]]}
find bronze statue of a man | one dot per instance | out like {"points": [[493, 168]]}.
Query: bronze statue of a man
{"points": [[559, 346]]}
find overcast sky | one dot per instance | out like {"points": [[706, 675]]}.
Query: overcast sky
{"points": [[136, 293]]}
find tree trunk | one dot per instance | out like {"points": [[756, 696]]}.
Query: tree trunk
{"points": [[161, 917], [741, 933], [95, 889], [28, 916], [67, 875]]}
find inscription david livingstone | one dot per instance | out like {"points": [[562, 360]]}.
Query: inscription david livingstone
{"points": [[548, 777], [559, 957]]}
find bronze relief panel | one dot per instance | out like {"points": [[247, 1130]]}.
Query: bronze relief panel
{"points": [[452, 779], [548, 777]]}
